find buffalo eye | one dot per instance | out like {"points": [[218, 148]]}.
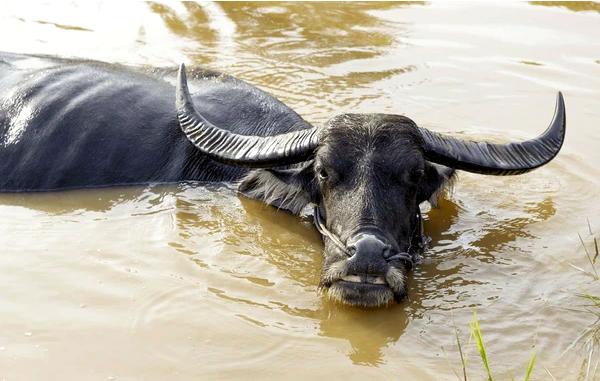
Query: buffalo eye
{"points": [[416, 175], [322, 174]]}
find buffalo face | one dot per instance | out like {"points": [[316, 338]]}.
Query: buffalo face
{"points": [[367, 179]]}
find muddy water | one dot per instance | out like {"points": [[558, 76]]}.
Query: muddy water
{"points": [[193, 282]]}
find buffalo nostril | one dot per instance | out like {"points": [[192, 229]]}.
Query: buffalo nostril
{"points": [[351, 250], [387, 251]]}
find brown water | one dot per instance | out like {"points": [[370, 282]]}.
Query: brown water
{"points": [[192, 282]]}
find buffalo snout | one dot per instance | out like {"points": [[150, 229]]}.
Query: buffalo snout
{"points": [[369, 254]]}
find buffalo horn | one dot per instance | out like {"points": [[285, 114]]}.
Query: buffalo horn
{"points": [[498, 159], [245, 150]]}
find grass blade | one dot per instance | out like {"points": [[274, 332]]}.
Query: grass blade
{"points": [[589, 362], [477, 335], [530, 366], [462, 357], [584, 271], [550, 374], [587, 254]]}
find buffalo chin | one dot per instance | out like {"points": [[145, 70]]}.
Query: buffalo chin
{"points": [[361, 294]]}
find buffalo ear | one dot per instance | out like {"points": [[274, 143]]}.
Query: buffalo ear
{"points": [[289, 189], [435, 180]]}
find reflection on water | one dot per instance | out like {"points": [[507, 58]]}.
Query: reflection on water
{"points": [[192, 281], [224, 237], [371, 333], [292, 246], [314, 34], [577, 6], [508, 230], [446, 278], [195, 22], [293, 49]]}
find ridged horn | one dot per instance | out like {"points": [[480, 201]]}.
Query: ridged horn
{"points": [[498, 159], [244, 150]]}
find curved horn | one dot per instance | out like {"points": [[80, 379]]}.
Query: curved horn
{"points": [[226, 146], [498, 159]]}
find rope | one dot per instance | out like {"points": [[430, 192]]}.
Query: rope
{"points": [[320, 225]]}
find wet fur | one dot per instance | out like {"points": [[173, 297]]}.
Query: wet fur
{"points": [[289, 189], [68, 124], [447, 177]]}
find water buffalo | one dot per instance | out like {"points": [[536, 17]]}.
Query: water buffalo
{"points": [[72, 124]]}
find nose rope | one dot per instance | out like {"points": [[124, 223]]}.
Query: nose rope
{"points": [[320, 225]]}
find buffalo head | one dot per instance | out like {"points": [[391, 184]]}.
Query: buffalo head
{"points": [[365, 175]]}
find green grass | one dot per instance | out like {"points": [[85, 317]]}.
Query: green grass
{"points": [[591, 257], [477, 337], [590, 337], [530, 366]]}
